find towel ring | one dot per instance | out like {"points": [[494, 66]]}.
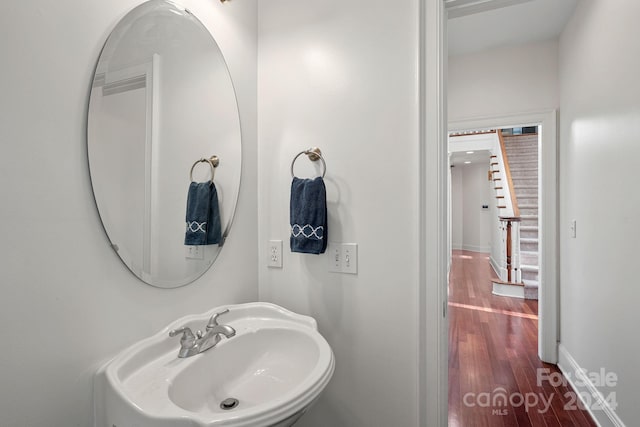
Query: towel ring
{"points": [[213, 161], [314, 155]]}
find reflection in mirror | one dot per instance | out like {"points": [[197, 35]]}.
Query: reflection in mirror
{"points": [[162, 99]]}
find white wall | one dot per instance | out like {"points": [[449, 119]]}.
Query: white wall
{"points": [[599, 69], [476, 221], [457, 206], [503, 81], [68, 303], [470, 224], [331, 75]]}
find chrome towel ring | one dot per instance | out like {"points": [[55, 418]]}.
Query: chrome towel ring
{"points": [[314, 155], [213, 161]]}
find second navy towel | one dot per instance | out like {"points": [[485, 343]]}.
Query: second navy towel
{"points": [[308, 216]]}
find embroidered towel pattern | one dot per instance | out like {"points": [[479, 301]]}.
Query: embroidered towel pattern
{"points": [[203, 225], [308, 216]]}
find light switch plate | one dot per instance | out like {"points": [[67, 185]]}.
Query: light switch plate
{"points": [[194, 252], [572, 228], [343, 257], [334, 250], [350, 258]]}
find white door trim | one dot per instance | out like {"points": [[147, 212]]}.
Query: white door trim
{"points": [[548, 307], [433, 229]]}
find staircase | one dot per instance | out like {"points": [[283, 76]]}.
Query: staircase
{"points": [[522, 154]]}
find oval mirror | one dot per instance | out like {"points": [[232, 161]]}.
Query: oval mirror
{"points": [[161, 104]]}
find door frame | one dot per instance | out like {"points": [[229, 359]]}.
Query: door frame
{"points": [[433, 324], [548, 307]]}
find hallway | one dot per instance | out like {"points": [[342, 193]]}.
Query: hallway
{"points": [[495, 375]]}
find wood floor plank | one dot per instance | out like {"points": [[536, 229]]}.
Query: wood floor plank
{"points": [[493, 344]]}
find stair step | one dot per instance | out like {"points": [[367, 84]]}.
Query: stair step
{"points": [[516, 174], [524, 181], [526, 199], [524, 171], [528, 231], [530, 244], [531, 289], [518, 162], [529, 212], [528, 257], [525, 267], [518, 189], [520, 147]]}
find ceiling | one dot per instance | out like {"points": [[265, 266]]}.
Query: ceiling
{"points": [[477, 25], [479, 156]]}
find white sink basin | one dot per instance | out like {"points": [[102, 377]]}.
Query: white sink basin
{"points": [[275, 367]]}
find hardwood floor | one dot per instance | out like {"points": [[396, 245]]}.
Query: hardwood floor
{"points": [[495, 375]]}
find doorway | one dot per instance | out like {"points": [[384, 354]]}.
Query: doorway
{"points": [[547, 213]]}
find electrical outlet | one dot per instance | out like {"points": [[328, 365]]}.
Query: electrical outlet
{"points": [[275, 254], [350, 258], [572, 228], [194, 252]]}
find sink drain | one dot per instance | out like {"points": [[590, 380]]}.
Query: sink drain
{"points": [[229, 403]]}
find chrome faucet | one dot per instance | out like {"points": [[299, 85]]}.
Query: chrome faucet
{"points": [[191, 344]]}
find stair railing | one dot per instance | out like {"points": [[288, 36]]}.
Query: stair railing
{"points": [[507, 174], [510, 228], [509, 224]]}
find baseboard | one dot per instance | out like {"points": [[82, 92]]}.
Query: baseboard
{"points": [[507, 290], [604, 417], [494, 265], [473, 248]]}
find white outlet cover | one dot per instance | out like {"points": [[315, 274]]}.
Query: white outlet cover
{"points": [[274, 254]]}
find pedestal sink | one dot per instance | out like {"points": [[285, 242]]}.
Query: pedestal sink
{"points": [[268, 374]]}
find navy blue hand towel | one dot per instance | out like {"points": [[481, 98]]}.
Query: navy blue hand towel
{"points": [[203, 215], [308, 216]]}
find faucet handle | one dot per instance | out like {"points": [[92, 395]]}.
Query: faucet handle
{"points": [[185, 331], [213, 321], [188, 342]]}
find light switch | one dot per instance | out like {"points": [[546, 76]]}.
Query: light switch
{"points": [[350, 258], [194, 252], [334, 250], [572, 228], [343, 257]]}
